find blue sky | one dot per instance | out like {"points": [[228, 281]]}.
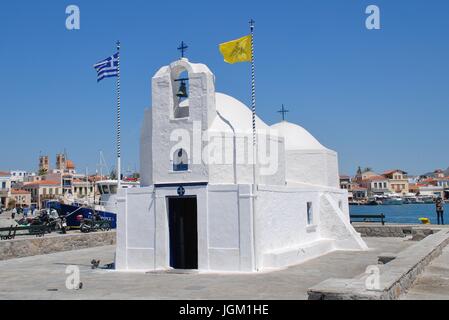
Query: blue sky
{"points": [[380, 98]]}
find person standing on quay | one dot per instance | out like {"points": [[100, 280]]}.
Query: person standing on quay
{"points": [[440, 210]]}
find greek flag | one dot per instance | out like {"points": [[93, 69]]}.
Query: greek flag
{"points": [[107, 68]]}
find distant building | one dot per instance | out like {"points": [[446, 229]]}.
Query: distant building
{"points": [[5, 188], [345, 182], [64, 165], [443, 182], [22, 198], [364, 175], [18, 176], [376, 185], [44, 164], [438, 173], [431, 190], [43, 190], [414, 188], [359, 193], [398, 181], [82, 188]]}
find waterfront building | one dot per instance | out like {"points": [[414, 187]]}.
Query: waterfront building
{"points": [[376, 185], [22, 198], [5, 188], [364, 175], [43, 190], [398, 181], [359, 193], [431, 190], [443, 182], [19, 176], [345, 182], [198, 206], [83, 188], [438, 174]]}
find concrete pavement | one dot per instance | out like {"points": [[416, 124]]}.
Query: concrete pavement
{"points": [[43, 277], [433, 284]]}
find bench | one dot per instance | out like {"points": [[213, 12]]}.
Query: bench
{"points": [[368, 217], [11, 233], [36, 230]]}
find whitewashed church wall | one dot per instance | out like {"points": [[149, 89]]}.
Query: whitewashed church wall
{"points": [[309, 167], [282, 218], [224, 246], [223, 218], [336, 223], [146, 148], [271, 165], [230, 228], [333, 175], [135, 229]]}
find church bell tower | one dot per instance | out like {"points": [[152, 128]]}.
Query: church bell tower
{"points": [[183, 107]]}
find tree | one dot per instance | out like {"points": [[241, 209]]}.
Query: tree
{"points": [[43, 172], [11, 203]]}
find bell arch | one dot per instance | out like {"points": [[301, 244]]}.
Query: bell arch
{"points": [[181, 92]]}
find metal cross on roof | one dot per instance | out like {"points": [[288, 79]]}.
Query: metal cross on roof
{"points": [[252, 23], [183, 48], [283, 111]]}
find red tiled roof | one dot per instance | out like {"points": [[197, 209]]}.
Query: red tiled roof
{"points": [[428, 180], [43, 183], [18, 191], [4, 173], [374, 178]]}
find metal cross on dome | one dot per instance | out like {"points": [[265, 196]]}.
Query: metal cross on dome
{"points": [[183, 48], [283, 111]]}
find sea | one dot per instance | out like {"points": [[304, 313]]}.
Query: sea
{"points": [[406, 213]]}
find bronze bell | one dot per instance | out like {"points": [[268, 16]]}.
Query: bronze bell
{"points": [[182, 92]]}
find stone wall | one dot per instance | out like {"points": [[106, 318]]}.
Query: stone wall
{"points": [[31, 246], [387, 231], [394, 230]]}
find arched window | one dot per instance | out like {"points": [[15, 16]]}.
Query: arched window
{"points": [[180, 160]]}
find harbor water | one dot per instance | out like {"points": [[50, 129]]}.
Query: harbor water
{"points": [[406, 213]]}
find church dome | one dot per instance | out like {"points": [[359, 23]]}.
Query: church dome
{"points": [[233, 112], [296, 137], [70, 165]]}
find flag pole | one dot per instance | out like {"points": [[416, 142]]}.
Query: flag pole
{"points": [[119, 169], [253, 100], [255, 156]]}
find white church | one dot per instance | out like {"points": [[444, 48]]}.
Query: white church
{"points": [[205, 204]]}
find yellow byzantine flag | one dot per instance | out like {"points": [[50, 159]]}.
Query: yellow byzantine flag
{"points": [[237, 50]]}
